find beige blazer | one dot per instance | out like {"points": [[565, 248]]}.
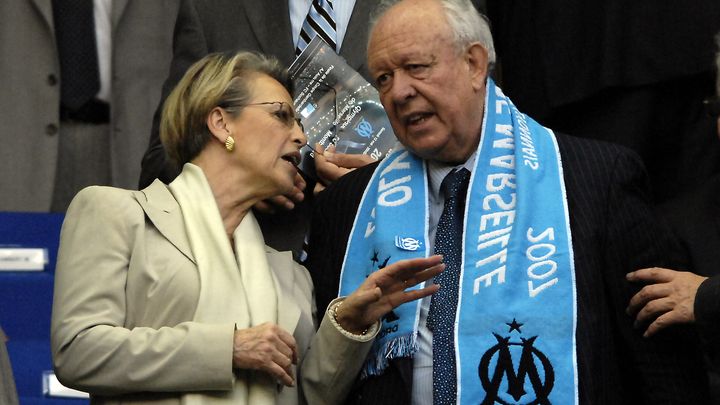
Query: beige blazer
{"points": [[142, 33], [126, 289]]}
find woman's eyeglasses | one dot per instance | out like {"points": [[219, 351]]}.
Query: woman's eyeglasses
{"points": [[282, 111]]}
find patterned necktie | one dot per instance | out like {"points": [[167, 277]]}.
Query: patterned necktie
{"points": [[75, 32], [320, 21], [441, 317]]}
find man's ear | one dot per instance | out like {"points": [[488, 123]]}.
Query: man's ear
{"points": [[476, 57], [217, 122]]}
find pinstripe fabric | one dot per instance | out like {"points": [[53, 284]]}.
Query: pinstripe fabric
{"points": [[613, 233]]}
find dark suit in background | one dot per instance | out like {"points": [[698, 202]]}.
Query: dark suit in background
{"points": [[634, 73], [206, 26], [613, 232], [695, 218]]}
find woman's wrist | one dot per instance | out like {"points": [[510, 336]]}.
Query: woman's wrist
{"points": [[346, 322]]}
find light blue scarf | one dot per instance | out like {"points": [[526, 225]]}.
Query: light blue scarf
{"points": [[516, 316]]}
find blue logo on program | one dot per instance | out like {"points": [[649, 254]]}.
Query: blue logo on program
{"points": [[364, 128]]}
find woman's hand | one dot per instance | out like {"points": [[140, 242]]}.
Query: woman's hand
{"points": [[385, 289], [267, 348], [284, 201]]}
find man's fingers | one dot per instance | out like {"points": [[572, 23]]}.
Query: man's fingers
{"points": [[645, 295], [662, 322], [653, 309], [328, 172], [347, 160], [653, 274], [319, 187]]}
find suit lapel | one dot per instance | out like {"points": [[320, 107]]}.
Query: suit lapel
{"points": [[164, 212], [118, 7], [44, 7], [271, 25], [282, 266], [355, 41]]}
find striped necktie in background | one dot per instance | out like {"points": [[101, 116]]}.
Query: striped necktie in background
{"points": [[320, 21]]}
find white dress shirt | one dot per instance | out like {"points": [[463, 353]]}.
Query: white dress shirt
{"points": [[103, 36], [422, 388]]}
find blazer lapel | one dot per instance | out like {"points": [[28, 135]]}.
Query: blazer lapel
{"points": [[354, 43], [164, 212], [271, 25], [282, 266], [118, 7], [44, 7]]}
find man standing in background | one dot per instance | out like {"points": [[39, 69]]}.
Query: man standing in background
{"points": [[80, 79]]}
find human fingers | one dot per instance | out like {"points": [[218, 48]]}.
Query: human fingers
{"points": [[653, 309], [290, 345], [264, 348], [299, 187], [264, 206], [346, 160], [319, 187], [662, 322], [645, 295], [327, 171], [413, 295], [285, 201], [405, 269], [652, 274], [423, 275]]}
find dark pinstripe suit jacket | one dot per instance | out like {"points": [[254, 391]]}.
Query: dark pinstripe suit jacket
{"points": [[613, 233]]}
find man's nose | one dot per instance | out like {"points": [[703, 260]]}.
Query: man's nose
{"points": [[403, 87]]}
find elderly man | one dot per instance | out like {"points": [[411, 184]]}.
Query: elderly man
{"points": [[537, 231]]}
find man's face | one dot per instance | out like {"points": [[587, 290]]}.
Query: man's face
{"points": [[432, 92]]}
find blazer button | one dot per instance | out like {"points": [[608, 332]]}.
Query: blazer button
{"points": [[52, 79], [51, 129]]}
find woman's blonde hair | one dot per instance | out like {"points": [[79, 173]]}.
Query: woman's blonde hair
{"points": [[217, 80]]}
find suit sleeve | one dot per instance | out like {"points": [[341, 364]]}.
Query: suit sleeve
{"points": [[189, 46], [667, 368], [93, 349], [333, 362], [707, 316]]}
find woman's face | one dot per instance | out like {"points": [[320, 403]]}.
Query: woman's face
{"points": [[267, 137]]}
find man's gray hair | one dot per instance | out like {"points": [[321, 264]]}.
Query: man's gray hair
{"points": [[467, 24]]}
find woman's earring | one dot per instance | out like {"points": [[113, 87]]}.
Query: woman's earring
{"points": [[229, 143]]}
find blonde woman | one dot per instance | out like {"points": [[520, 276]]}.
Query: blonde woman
{"points": [[169, 295]]}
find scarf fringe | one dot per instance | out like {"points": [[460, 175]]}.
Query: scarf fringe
{"points": [[401, 346]]}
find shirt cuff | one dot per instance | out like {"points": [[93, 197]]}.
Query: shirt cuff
{"points": [[366, 337]]}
